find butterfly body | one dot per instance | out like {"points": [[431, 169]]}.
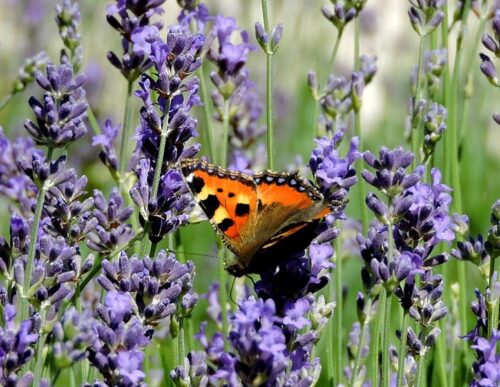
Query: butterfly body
{"points": [[262, 218]]}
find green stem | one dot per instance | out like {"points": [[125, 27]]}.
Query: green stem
{"points": [[402, 348], [40, 358], [375, 334], [336, 339], [225, 134], [357, 360], [207, 113], [223, 298], [123, 156], [493, 307], [388, 304], [181, 345], [414, 135], [443, 378], [385, 341], [358, 133], [269, 91], [33, 239], [5, 101], [421, 364]]}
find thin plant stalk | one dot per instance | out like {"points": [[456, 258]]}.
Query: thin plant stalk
{"points": [[207, 114], [223, 297], [357, 132], [269, 92], [377, 326], [419, 380], [443, 378], [123, 156], [387, 313], [385, 341], [402, 347], [336, 339], [493, 307], [40, 346], [5, 101], [415, 124], [357, 359], [33, 239]]}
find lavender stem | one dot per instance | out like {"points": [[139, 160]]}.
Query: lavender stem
{"points": [[33, 239], [357, 360], [40, 358], [374, 353], [123, 157], [269, 91], [402, 348], [338, 316], [416, 98], [207, 114], [5, 101]]}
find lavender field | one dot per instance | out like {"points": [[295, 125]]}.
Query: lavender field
{"points": [[249, 193]]}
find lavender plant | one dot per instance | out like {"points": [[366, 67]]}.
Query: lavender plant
{"points": [[98, 276]]}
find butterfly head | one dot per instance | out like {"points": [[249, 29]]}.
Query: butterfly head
{"points": [[236, 270]]}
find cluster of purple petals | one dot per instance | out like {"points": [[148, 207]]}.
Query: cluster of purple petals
{"points": [[417, 212], [120, 338], [426, 15], [342, 12], [342, 94], [60, 115], [168, 211], [131, 18], [487, 366], [106, 140], [111, 234], [173, 60], [16, 345], [159, 287], [492, 44], [68, 21], [14, 184], [334, 175], [72, 334], [266, 348]]}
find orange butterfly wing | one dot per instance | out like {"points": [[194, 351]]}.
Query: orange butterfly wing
{"points": [[228, 198]]}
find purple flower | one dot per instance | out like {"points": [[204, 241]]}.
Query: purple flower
{"points": [[13, 182], [160, 287], [16, 346], [106, 140], [60, 116], [119, 341], [334, 175], [132, 21], [111, 234], [487, 366], [129, 365], [68, 21], [72, 335], [168, 211]]}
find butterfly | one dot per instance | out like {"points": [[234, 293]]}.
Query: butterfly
{"points": [[263, 218]]}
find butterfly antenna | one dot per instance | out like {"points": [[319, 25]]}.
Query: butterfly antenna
{"points": [[190, 253], [251, 279]]}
